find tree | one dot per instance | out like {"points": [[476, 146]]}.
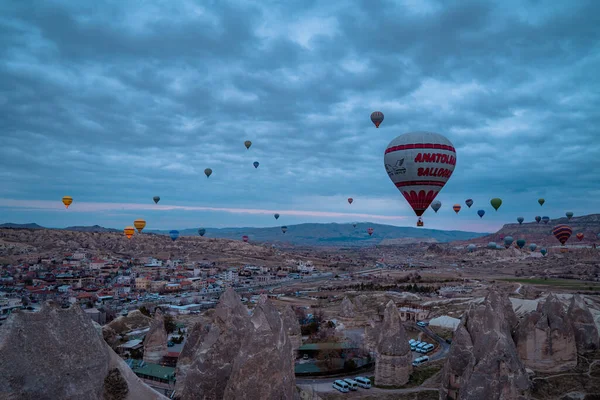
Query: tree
{"points": [[144, 311], [170, 325]]}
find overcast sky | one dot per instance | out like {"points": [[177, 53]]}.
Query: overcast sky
{"points": [[114, 102]]}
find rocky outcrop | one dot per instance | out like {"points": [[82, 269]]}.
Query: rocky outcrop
{"points": [[483, 361], [584, 328], [359, 302], [260, 371], [155, 342], [235, 356], [347, 308], [545, 338], [292, 327], [393, 361], [57, 353]]}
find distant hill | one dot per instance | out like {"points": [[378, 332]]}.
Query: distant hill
{"points": [[541, 233], [332, 234]]}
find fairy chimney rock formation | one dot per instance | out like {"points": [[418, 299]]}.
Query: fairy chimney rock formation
{"points": [[483, 362], [235, 356], [155, 342], [347, 308], [582, 321], [292, 326], [57, 353], [545, 338], [393, 361]]}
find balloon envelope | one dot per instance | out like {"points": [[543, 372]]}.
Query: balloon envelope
{"points": [[481, 213], [545, 219], [139, 224], [245, 238], [377, 118], [156, 199], [562, 232], [521, 243], [532, 246], [419, 164], [456, 208], [520, 220], [436, 205], [354, 225], [492, 245], [350, 200], [569, 214], [471, 247], [208, 172], [496, 203], [284, 229], [247, 143], [174, 235], [541, 201], [543, 251], [538, 219], [370, 231], [67, 201], [129, 231], [579, 236], [201, 231], [508, 240], [256, 164], [469, 202], [276, 216]]}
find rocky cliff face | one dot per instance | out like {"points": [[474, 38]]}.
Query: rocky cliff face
{"points": [[584, 328], [393, 362], [347, 308], [545, 338], [292, 327], [155, 342], [483, 361], [236, 356], [58, 354]]}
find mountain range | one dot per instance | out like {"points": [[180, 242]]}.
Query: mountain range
{"points": [[310, 234]]}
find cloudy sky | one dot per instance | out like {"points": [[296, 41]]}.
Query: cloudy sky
{"points": [[114, 102]]}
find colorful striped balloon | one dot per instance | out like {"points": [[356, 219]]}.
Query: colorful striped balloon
{"points": [[456, 208], [562, 232]]}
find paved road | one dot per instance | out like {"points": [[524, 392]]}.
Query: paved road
{"points": [[323, 386], [444, 346]]}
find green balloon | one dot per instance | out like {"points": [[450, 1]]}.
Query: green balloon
{"points": [[496, 203]]}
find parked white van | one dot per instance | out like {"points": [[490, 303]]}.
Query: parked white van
{"points": [[421, 346], [428, 348], [363, 382], [420, 361], [341, 386], [351, 383]]}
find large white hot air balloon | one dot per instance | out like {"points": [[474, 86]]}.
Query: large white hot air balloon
{"points": [[420, 164]]}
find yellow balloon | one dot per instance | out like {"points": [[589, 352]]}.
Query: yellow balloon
{"points": [[139, 224], [67, 201], [129, 231]]}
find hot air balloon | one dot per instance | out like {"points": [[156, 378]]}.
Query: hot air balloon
{"points": [[496, 203], [256, 164], [276, 216], [350, 200], [139, 224], [456, 208], [208, 172], [508, 240], [129, 231], [492, 245], [419, 164], [481, 213], [436, 205], [174, 235], [520, 220], [469, 202], [67, 201], [284, 229], [354, 225], [543, 251], [247, 143], [579, 236], [370, 231], [532, 247], [156, 199], [538, 219], [377, 118], [541, 201], [562, 232], [569, 214], [245, 238], [201, 231], [545, 219], [471, 247], [521, 243]]}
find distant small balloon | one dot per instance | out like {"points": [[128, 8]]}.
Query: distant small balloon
{"points": [[569, 214], [469, 202], [156, 199], [562, 233], [543, 251], [276, 216], [245, 238], [496, 203], [129, 231], [67, 201], [284, 229], [370, 231], [174, 235], [481, 213], [532, 247], [256, 164], [208, 172], [436, 205], [520, 220], [545, 219], [538, 219], [521, 243], [471, 247], [541, 201], [350, 200], [456, 208], [377, 118], [508, 240], [247, 143], [579, 236], [139, 224], [201, 231]]}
